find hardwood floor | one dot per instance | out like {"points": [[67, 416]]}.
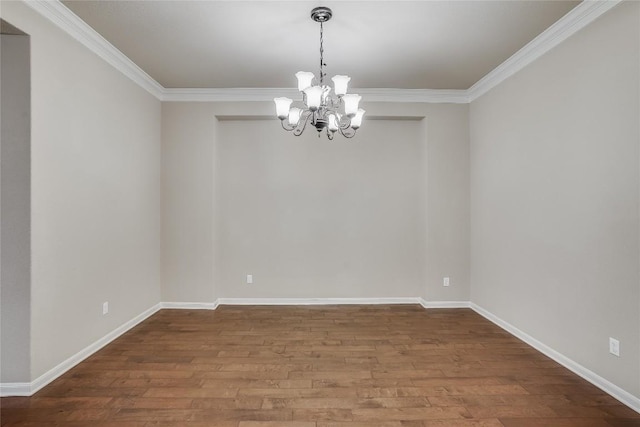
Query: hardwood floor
{"points": [[318, 366]]}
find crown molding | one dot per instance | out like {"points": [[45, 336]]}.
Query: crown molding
{"points": [[576, 19], [428, 96], [579, 17], [69, 22], [432, 96], [226, 94]]}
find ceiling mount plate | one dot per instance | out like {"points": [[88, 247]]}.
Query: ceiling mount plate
{"points": [[321, 14]]}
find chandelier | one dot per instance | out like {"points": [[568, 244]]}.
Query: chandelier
{"points": [[337, 112]]}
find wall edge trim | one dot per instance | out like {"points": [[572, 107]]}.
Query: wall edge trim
{"points": [[15, 389], [444, 304], [29, 389], [189, 305], [318, 301], [63, 367], [576, 19], [608, 387], [429, 96], [60, 15]]}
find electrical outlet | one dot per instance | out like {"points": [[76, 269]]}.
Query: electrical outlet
{"points": [[249, 279], [105, 308], [445, 281], [614, 346]]}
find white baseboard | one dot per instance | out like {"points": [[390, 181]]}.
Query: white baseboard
{"points": [[190, 305], [608, 387], [444, 304], [28, 389], [15, 389], [317, 301]]}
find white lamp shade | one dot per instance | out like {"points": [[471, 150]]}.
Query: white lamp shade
{"points": [[340, 84], [314, 97], [357, 120], [333, 123], [294, 115], [304, 79], [282, 107], [351, 102]]}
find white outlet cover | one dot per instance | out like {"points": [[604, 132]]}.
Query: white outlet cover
{"points": [[105, 307], [445, 281], [614, 347], [249, 278]]}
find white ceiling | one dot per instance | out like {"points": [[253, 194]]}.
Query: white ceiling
{"points": [[261, 44]]}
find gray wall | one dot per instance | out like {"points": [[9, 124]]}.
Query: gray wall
{"points": [[95, 194], [448, 198], [15, 215], [555, 197], [188, 136], [313, 218]]}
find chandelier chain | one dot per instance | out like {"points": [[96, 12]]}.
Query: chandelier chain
{"points": [[321, 54]]}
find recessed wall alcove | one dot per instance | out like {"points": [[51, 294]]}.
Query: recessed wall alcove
{"points": [[381, 215], [313, 218]]}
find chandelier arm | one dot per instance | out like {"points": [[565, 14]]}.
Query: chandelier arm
{"points": [[288, 127], [345, 122], [348, 132], [302, 124]]}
